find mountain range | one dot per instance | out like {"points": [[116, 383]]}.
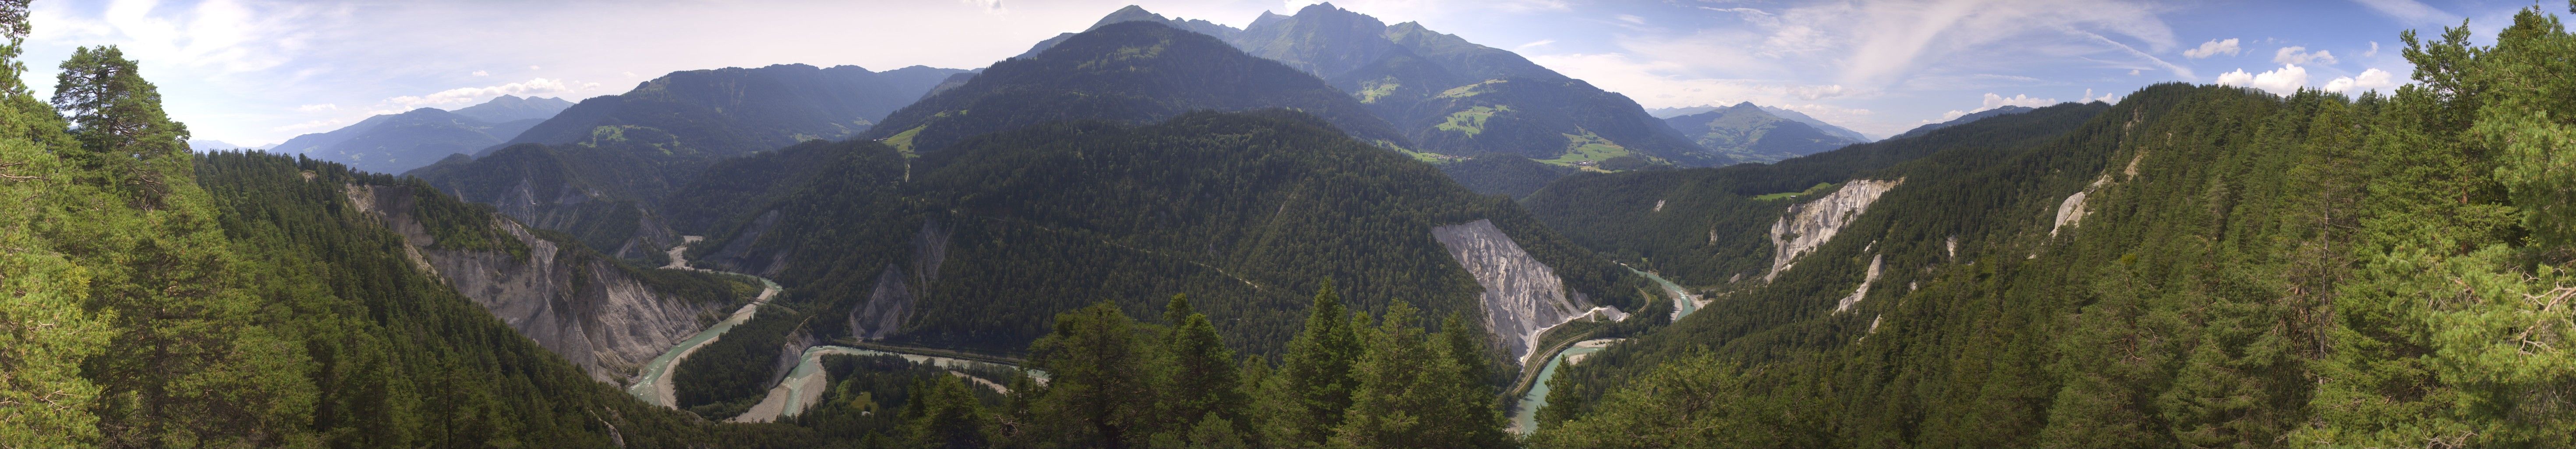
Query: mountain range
{"points": [[730, 111], [394, 143], [1751, 133]]}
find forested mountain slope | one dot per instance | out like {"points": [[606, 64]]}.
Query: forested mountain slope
{"points": [[2195, 267], [1137, 71], [158, 298], [1248, 212], [1709, 226], [1964, 119], [736, 110]]}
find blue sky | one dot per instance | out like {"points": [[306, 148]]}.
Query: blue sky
{"points": [[258, 72]]}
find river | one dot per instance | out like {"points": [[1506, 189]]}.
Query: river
{"points": [[653, 386], [806, 383], [1524, 413]]}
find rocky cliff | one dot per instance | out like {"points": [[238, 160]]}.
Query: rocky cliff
{"points": [[581, 306], [1808, 225], [1522, 297], [901, 284]]}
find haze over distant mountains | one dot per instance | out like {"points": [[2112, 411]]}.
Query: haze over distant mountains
{"points": [[736, 110], [1754, 134], [204, 145], [394, 143]]}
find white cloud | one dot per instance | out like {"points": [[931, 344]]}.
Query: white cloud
{"points": [[2213, 48], [1654, 83], [2284, 81], [988, 6], [1630, 19], [2369, 80], [2374, 50], [2106, 97], [1532, 44], [535, 68], [1992, 101], [2024, 100], [2300, 55], [469, 95], [2133, 72], [318, 107], [482, 73], [225, 36]]}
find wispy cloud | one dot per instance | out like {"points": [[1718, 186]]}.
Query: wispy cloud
{"points": [[2411, 12]]}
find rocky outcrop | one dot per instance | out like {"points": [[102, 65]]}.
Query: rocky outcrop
{"points": [[1808, 225], [892, 299], [585, 309], [1863, 291], [2071, 211], [1522, 298]]}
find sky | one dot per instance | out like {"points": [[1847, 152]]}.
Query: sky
{"points": [[255, 72]]}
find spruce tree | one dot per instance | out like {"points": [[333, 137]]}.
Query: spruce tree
{"points": [[1096, 362], [1199, 382], [1313, 384]]}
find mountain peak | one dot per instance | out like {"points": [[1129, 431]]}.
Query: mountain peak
{"points": [[1131, 13], [1747, 104]]}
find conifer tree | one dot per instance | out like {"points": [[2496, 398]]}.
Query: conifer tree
{"points": [[1096, 361], [1199, 382], [1312, 387], [943, 414], [44, 332]]}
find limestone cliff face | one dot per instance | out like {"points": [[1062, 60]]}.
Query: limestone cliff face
{"points": [[1808, 225], [1522, 297], [582, 308], [900, 285]]}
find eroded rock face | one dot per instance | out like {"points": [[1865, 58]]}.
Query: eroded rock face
{"points": [[1863, 291], [1808, 225], [582, 308], [2068, 212], [1522, 297], [892, 299]]}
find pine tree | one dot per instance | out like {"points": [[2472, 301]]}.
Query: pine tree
{"points": [[1312, 387], [943, 414], [45, 333], [1198, 378], [1096, 361], [194, 363]]}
